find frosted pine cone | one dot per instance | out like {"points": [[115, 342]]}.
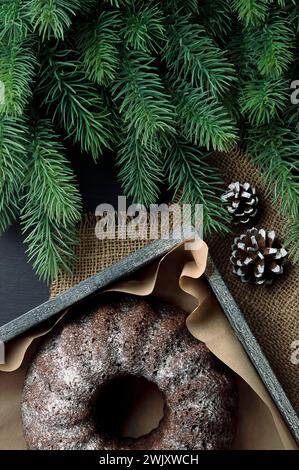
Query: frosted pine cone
{"points": [[258, 256], [241, 202]]}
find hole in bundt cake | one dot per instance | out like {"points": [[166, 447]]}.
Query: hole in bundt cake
{"points": [[129, 407]]}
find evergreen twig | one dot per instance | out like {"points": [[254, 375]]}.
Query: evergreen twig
{"points": [[140, 169], [75, 103], [192, 178], [52, 203], [144, 103], [97, 42], [13, 161]]}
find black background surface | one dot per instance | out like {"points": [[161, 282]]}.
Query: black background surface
{"points": [[20, 289]]}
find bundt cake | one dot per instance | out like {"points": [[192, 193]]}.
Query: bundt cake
{"points": [[127, 335]]}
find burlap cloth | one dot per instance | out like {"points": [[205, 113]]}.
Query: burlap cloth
{"points": [[272, 311]]}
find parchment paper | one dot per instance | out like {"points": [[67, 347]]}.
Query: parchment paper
{"points": [[176, 278]]}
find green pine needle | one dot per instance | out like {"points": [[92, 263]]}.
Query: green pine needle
{"points": [[217, 17], [140, 169], [292, 240], [75, 103], [17, 71], [52, 203], [191, 55], [192, 178], [204, 121], [118, 3], [13, 161], [51, 18], [153, 81], [186, 6], [262, 100], [143, 101], [271, 45], [276, 150], [50, 245], [51, 180], [97, 41], [143, 27], [14, 21], [251, 11]]}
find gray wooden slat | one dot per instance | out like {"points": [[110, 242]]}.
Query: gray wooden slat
{"points": [[253, 349], [85, 288]]}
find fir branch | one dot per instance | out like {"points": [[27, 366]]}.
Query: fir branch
{"points": [[271, 45], [182, 6], [14, 22], [144, 104], [191, 55], [251, 11], [262, 100], [118, 3], [275, 149], [50, 245], [75, 103], [292, 239], [293, 14], [143, 27], [13, 160], [204, 121], [51, 178], [141, 169], [17, 71], [97, 42], [217, 17], [52, 203], [51, 18], [192, 178]]}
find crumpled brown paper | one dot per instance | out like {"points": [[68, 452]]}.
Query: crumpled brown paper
{"points": [[176, 278]]}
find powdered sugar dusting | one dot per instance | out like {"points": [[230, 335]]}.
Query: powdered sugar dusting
{"points": [[127, 335]]}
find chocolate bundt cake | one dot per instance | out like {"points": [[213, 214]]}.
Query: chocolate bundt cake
{"points": [[127, 335]]}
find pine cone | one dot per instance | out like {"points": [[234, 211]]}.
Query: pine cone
{"points": [[258, 256], [241, 201]]}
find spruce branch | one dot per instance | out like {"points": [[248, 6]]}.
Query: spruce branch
{"points": [[14, 22], [51, 18], [251, 11], [140, 169], [50, 245], [204, 121], [143, 27], [191, 55], [17, 71], [262, 100], [97, 42], [51, 178], [192, 178], [275, 149], [217, 17], [52, 203], [118, 3], [186, 6], [292, 240], [144, 103], [271, 45], [75, 103], [13, 161]]}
